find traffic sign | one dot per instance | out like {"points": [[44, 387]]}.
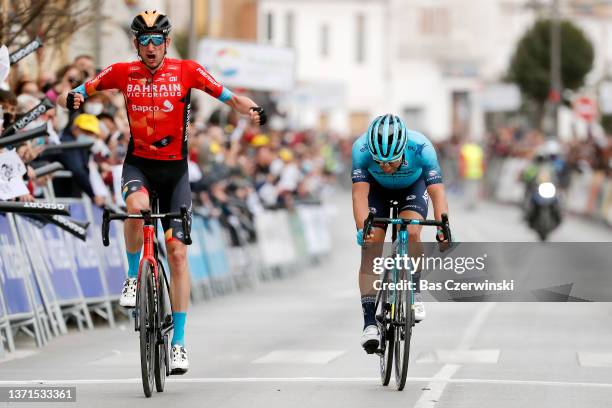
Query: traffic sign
{"points": [[585, 108]]}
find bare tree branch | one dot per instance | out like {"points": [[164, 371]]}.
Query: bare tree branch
{"points": [[53, 20]]}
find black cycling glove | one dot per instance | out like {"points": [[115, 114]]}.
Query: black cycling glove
{"points": [[263, 118]]}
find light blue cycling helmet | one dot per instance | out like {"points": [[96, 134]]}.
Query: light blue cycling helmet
{"points": [[387, 138]]}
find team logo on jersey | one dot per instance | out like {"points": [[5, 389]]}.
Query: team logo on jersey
{"points": [[168, 107], [419, 149], [432, 173], [103, 73], [207, 76], [153, 90], [410, 197], [163, 142]]}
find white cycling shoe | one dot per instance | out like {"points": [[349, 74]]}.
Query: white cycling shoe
{"points": [[179, 363], [370, 338], [419, 308], [128, 294]]}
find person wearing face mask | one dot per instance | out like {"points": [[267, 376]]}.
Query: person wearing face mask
{"points": [[94, 106]]}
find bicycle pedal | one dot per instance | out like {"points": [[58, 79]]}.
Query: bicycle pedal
{"points": [[371, 346], [177, 371]]}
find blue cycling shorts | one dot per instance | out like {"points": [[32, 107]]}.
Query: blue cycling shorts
{"points": [[413, 198]]}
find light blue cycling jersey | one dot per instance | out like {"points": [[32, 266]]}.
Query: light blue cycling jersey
{"points": [[420, 160]]}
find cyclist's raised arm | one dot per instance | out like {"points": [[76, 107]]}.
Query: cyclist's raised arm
{"points": [[113, 77], [198, 77]]}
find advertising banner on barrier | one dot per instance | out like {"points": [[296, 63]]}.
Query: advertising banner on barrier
{"points": [[86, 256], [114, 267], [316, 233], [213, 243], [277, 247], [50, 249], [11, 277], [197, 261]]}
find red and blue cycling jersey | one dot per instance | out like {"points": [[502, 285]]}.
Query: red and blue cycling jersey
{"points": [[157, 104]]}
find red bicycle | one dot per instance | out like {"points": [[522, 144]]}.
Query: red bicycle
{"points": [[152, 316]]}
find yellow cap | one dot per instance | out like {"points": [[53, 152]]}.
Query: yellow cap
{"points": [[285, 154], [87, 122], [214, 147], [260, 140]]}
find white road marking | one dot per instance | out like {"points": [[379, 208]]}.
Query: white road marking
{"points": [[118, 358], [459, 356], [589, 359], [435, 388], [222, 380], [299, 357]]}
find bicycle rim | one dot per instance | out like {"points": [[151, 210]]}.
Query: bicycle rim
{"points": [[146, 314], [403, 335], [160, 348]]}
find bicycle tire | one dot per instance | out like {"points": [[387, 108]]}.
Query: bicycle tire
{"points": [[403, 334], [161, 354], [387, 337], [146, 315]]}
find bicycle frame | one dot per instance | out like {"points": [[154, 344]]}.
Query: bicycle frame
{"points": [[149, 245]]}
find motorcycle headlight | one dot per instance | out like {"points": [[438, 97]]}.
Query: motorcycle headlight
{"points": [[547, 190]]}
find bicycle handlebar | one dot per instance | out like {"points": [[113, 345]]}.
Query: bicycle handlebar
{"points": [[107, 217], [370, 220]]}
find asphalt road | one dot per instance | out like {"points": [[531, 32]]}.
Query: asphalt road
{"points": [[295, 343]]}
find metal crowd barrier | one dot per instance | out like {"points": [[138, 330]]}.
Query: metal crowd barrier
{"points": [[50, 277]]}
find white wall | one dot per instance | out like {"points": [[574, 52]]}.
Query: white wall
{"points": [[363, 83]]}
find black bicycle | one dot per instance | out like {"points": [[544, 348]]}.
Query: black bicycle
{"points": [[152, 318], [395, 306]]}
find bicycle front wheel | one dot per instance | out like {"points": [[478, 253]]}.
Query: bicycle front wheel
{"points": [[404, 319], [146, 316]]}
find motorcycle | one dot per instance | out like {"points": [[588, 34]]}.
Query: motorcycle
{"points": [[543, 209]]}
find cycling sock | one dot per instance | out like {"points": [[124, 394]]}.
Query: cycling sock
{"points": [[133, 263], [368, 305], [179, 328]]}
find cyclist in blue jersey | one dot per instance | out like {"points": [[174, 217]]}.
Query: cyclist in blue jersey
{"points": [[391, 162]]}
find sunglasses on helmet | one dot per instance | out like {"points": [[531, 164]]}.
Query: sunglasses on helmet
{"points": [[156, 39]]}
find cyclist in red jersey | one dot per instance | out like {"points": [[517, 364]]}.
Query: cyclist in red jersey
{"points": [[156, 91]]}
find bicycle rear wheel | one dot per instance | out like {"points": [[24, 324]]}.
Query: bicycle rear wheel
{"points": [[146, 316], [404, 319], [387, 334]]}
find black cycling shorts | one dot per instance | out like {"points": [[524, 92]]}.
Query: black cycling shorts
{"points": [[413, 198], [169, 180]]}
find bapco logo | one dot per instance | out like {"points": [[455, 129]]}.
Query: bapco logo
{"points": [[168, 107]]}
